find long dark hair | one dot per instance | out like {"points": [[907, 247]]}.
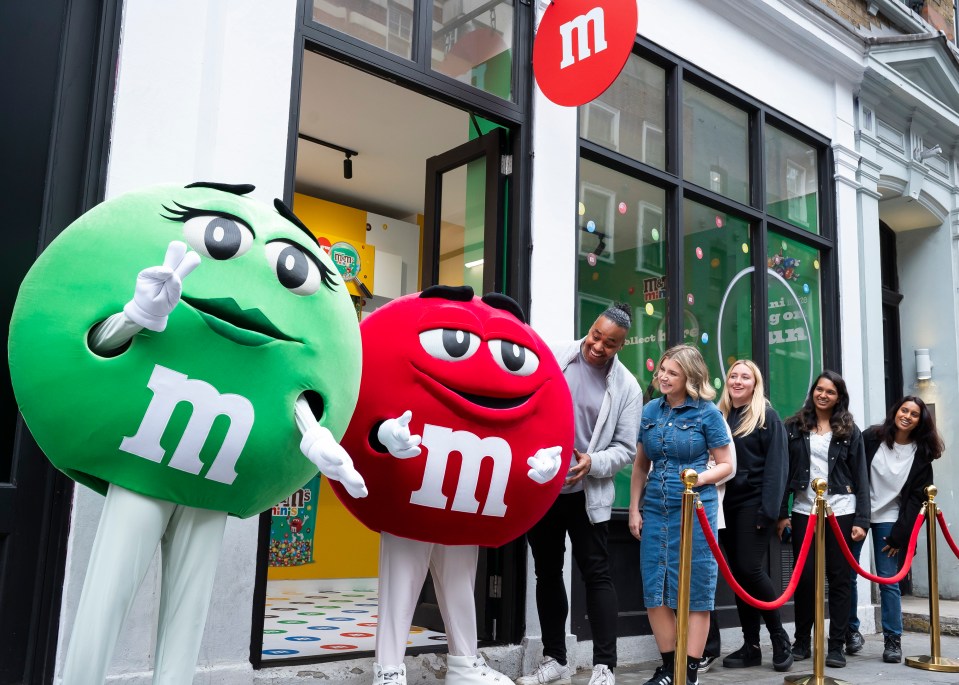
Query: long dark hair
{"points": [[841, 420], [928, 442]]}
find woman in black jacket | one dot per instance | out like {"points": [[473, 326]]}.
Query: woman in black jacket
{"points": [[824, 442], [899, 454]]}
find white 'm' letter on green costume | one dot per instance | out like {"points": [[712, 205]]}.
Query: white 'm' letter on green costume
{"points": [[169, 389]]}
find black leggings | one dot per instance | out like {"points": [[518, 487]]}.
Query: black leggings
{"points": [[837, 576]]}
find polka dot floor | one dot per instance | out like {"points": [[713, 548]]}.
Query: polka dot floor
{"points": [[303, 621]]}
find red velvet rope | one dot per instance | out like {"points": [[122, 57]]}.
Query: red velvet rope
{"points": [[910, 552], [945, 532], [728, 574]]}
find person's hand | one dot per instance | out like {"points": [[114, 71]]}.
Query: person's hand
{"points": [[636, 524], [889, 550], [158, 288], [395, 436], [858, 534], [783, 525], [580, 469], [332, 460], [545, 464]]}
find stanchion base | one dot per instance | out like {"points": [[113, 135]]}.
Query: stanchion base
{"points": [[812, 679], [934, 663]]}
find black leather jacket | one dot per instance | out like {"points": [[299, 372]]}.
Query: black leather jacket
{"points": [[913, 493], [847, 473]]}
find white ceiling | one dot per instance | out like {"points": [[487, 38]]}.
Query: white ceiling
{"points": [[393, 129]]}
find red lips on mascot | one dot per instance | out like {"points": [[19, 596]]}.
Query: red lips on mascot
{"points": [[485, 394]]}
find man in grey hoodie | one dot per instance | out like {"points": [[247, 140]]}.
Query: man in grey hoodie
{"points": [[607, 404]]}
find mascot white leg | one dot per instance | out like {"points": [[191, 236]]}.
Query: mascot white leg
{"points": [[190, 550]]}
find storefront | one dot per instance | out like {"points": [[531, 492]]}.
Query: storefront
{"points": [[729, 186]]}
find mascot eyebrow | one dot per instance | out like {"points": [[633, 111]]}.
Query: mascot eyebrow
{"points": [[464, 293]]}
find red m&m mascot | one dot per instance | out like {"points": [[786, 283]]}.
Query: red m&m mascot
{"points": [[463, 434]]}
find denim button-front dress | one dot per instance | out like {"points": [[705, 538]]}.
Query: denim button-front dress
{"points": [[677, 438]]}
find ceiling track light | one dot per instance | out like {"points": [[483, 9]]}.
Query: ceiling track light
{"points": [[347, 162]]}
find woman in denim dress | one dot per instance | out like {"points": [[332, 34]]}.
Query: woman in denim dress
{"points": [[682, 429]]}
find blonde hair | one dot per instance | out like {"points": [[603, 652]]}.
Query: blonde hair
{"points": [[754, 415], [693, 365]]}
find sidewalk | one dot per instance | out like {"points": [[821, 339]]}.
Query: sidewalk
{"points": [[865, 667]]}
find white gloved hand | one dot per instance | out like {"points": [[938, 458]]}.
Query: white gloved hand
{"points": [[158, 288], [332, 460], [394, 434], [545, 464]]}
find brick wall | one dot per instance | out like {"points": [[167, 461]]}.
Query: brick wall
{"points": [[938, 13]]}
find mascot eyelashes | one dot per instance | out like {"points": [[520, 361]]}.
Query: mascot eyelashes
{"points": [[218, 389], [466, 379]]}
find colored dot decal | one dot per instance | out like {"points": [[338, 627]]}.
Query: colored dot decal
{"points": [[699, 253], [283, 609], [622, 207], [591, 259], [719, 221], [649, 308], [714, 262], [291, 622], [815, 264], [270, 616], [338, 648], [300, 602], [745, 248], [438, 638], [595, 277], [591, 226], [385, 226], [650, 365], [337, 618], [631, 290], [717, 383], [805, 288], [730, 360], [322, 628], [302, 638], [654, 234], [280, 652], [311, 613], [690, 299], [273, 631], [705, 338], [356, 634], [352, 595], [367, 625], [581, 209], [327, 606], [355, 611], [785, 246]]}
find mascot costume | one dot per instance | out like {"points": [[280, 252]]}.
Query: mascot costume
{"points": [[466, 379], [201, 397]]}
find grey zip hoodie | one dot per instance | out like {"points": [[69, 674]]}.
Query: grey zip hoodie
{"points": [[613, 445]]}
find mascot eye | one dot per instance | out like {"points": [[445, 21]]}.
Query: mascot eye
{"points": [[294, 268], [513, 358], [448, 344], [217, 237]]}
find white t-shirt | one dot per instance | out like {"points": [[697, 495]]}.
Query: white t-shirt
{"points": [[887, 477], [840, 504]]}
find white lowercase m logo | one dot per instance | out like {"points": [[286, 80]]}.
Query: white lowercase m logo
{"points": [[595, 18], [169, 389], [440, 442]]}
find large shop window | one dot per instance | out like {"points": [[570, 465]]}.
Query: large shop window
{"points": [[725, 242]]}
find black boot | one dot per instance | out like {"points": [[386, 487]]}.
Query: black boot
{"points": [[892, 654], [854, 642], [782, 654], [834, 655], [744, 657], [801, 648]]}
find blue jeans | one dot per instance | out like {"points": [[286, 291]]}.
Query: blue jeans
{"points": [[888, 594]]}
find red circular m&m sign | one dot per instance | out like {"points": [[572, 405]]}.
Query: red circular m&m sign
{"points": [[581, 46]]}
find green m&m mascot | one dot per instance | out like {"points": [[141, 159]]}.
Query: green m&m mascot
{"points": [[223, 385]]}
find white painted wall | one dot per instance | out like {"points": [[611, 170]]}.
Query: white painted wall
{"points": [[203, 93]]}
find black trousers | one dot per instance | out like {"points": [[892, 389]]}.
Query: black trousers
{"points": [[837, 577], [547, 541], [747, 550]]}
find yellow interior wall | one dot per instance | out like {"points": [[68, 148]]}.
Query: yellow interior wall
{"points": [[342, 546], [337, 222]]}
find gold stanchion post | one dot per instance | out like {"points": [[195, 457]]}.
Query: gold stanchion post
{"points": [[818, 676], [689, 478], [934, 661]]}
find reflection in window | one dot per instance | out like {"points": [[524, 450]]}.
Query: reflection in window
{"points": [[472, 42], [387, 25], [792, 188], [717, 297], [793, 277], [627, 266], [630, 117], [715, 144]]}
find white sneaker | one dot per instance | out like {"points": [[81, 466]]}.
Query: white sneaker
{"points": [[389, 675], [472, 670], [549, 671], [602, 676]]}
